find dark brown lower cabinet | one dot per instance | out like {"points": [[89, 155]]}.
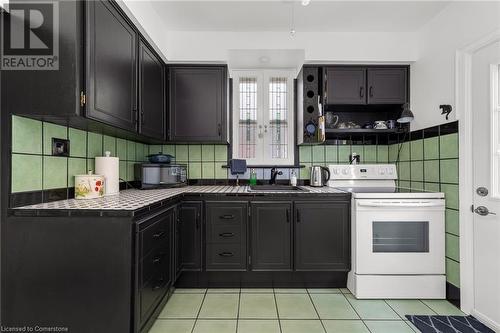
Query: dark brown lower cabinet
{"points": [[226, 235], [114, 270], [322, 236], [119, 270], [271, 236], [155, 263], [190, 215]]}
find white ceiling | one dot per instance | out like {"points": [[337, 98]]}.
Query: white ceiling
{"points": [[269, 15]]}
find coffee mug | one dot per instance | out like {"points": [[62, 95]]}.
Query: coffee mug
{"points": [[331, 119]]}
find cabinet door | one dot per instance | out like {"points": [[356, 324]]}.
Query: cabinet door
{"points": [[111, 66], [226, 235], [345, 85], [322, 236], [197, 104], [151, 93], [271, 236], [387, 86], [155, 262], [190, 223]]}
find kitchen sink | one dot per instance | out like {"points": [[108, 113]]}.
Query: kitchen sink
{"points": [[276, 188]]}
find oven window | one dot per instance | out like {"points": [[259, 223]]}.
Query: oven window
{"points": [[406, 236]]}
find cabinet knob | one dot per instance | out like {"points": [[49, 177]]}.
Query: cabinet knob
{"points": [[226, 234], [226, 254], [371, 91], [219, 129], [227, 217], [156, 260]]}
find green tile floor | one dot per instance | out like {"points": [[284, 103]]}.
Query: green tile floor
{"points": [[289, 311]]}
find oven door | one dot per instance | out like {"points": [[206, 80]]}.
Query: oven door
{"points": [[399, 236]]}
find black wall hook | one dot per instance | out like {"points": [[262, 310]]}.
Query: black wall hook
{"points": [[446, 109]]}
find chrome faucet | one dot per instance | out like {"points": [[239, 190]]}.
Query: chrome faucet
{"points": [[274, 173]]}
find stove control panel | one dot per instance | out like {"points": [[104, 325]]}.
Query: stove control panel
{"points": [[362, 171]]}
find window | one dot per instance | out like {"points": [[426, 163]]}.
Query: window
{"points": [[263, 117], [495, 130]]}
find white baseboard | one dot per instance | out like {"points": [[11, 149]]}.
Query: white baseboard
{"points": [[486, 320]]}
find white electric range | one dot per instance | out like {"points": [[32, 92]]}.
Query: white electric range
{"points": [[398, 234]]}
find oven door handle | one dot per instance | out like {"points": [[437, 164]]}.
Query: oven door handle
{"points": [[401, 204]]}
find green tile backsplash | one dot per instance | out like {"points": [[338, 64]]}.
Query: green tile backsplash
{"points": [[333, 154], [204, 161], [26, 136], [78, 139], [34, 169], [432, 164], [26, 173]]}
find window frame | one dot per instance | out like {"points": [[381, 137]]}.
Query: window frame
{"points": [[263, 77]]}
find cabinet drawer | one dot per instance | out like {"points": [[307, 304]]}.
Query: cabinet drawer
{"points": [[225, 215], [155, 236], [226, 256], [224, 233], [226, 222], [154, 264], [151, 294]]}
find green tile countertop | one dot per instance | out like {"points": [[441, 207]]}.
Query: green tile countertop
{"points": [[131, 201]]}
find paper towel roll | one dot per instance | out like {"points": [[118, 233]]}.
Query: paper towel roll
{"points": [[109, 167]]}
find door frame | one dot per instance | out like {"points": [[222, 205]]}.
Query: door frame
{"points": [[463, 104]]}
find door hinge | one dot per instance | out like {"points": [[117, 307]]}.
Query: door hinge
{"points": [[83, 99]]}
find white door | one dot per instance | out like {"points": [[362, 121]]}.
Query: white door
{"points": [[486, 166]]}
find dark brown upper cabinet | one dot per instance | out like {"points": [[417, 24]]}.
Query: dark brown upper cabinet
{"points": [[345, 85], [365, 85], [105, 77], [197, 104], [152, 93], [111, 95], [387, 85]]}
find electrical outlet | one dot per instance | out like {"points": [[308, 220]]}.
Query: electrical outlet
{"points": [[60, 147]]}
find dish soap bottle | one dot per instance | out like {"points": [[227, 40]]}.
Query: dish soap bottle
{"points": [[293, 178], [253, 177]]}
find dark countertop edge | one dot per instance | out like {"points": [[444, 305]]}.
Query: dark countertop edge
{"points": [[16, 212]]}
